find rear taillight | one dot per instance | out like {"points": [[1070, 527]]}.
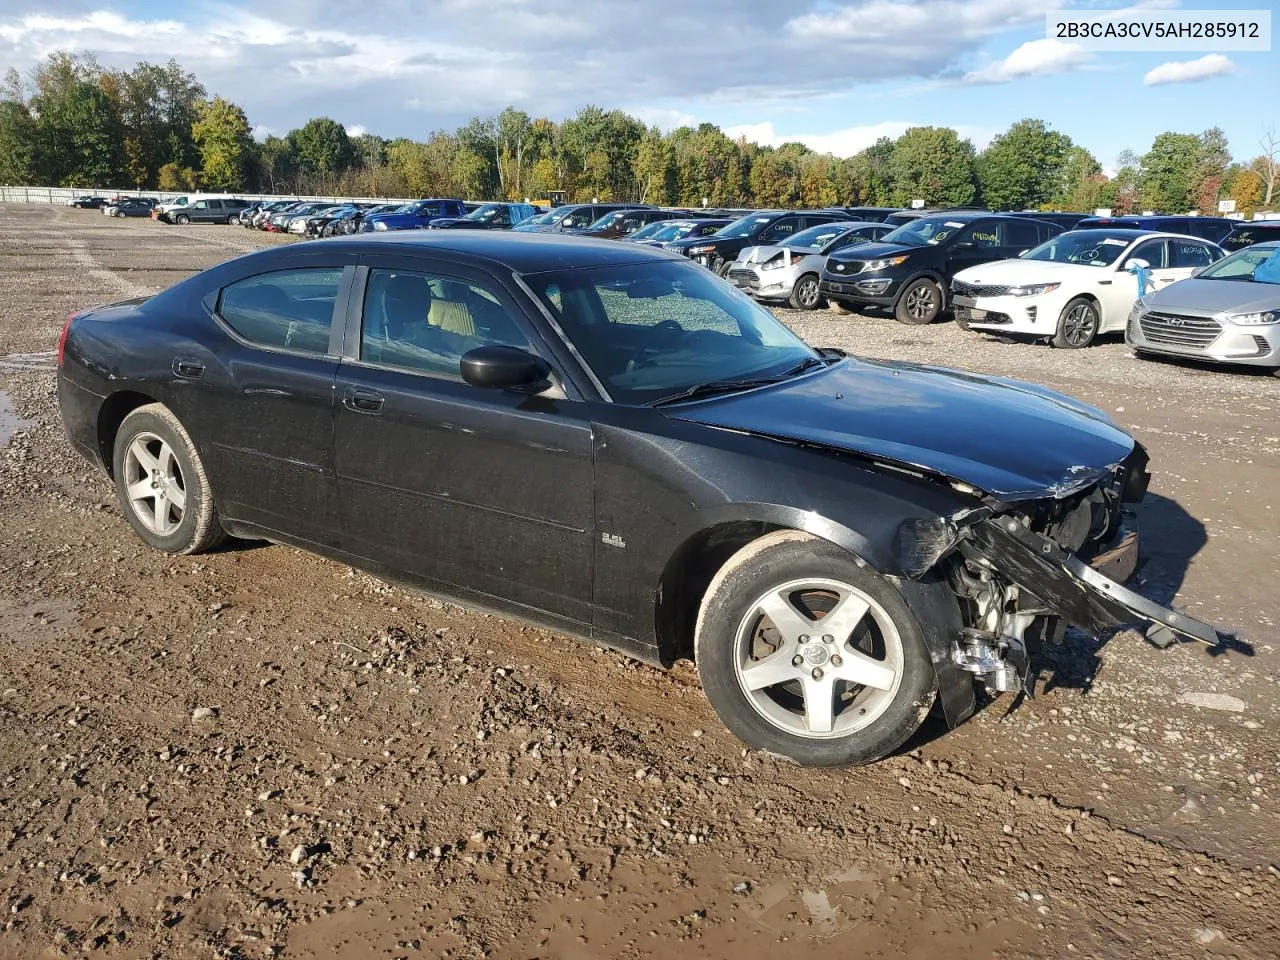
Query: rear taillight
{"points": [[62, 337]]}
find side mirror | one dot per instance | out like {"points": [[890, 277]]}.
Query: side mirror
{"points": [[500, 367], [1134, 264], [963, 245]]}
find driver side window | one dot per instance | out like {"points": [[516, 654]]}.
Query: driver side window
{"points": [[980, 235], [426, 322], [1151, 251]]}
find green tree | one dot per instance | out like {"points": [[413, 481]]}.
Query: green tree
{"points": [[18, 133], [1078, 182], [654, 169], [1022, 168], [221, 131], [369, 151], [933, 164], [1168, 173], [321, 146], [514, 139], [1213, 156], [173, 177]]}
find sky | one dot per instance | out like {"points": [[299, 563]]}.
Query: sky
{"points": [[833, 74]]}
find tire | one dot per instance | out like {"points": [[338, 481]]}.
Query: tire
{"points": [[1077, 324], [722, 268], [920, 303], [232, 220], [785, 715], [151, 439], [182, 219], [806, 294], [960, 322]]}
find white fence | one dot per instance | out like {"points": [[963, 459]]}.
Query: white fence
{"points": [[60, 195]]}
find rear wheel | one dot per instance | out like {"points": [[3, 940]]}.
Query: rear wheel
{"points": [[161, 483], [1077, 324], [806, 294], [920, 303], [232, 220], [804, 653]]}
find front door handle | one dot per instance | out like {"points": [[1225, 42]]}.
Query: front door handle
{"points": [[362, 401], [188, 369]]}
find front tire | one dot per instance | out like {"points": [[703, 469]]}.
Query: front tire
{"points": [[806, 654], [1077, 324], [920, 303], [806, 294], [182, 219], [161, 483]]}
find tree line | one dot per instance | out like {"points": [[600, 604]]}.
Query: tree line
{"points": [[72, 122]]}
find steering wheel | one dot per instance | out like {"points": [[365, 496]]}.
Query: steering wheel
{"points": [[672, 335]]}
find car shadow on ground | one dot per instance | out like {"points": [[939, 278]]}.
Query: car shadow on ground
{"points": [[1171, 538]]}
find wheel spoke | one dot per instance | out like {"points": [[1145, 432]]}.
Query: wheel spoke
{"points": [[861, 669], [140, 453], [162, 515], [142, 490], [785, 617], [773, 669], [819, 704], [840, 622], [166, 460], [178, 497]]}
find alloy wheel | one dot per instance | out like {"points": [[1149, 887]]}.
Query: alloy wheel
{"points": [[807, 293], [818, 658], [1080, 325], [154, 484], [920, 302]]}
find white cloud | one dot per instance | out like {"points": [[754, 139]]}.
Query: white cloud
{"points": [[897, 21], [1190, 71], [260, 132], [1035, 58], [357, 130], [850, 140]]}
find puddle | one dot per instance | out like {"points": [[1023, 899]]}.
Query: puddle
{"points": [[10, 422], [42, 362]]}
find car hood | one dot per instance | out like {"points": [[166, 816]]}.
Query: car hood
{"points": [[395, 219], [1010, 439], [762, 254], [1215, 296], [874, 251], [1028, 271]]}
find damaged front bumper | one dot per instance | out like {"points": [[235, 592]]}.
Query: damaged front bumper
{"points": [[1082, 594]]}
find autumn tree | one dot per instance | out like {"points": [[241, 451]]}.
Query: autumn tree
{"points": [[221, 131]]}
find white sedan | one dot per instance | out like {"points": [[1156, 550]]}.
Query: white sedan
{"points": [[1075, 286]]}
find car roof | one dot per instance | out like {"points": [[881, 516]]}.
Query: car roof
{"points": [[1266, 245], [521, 252]]}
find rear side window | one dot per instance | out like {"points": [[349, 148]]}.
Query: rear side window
{"points": [[1022, 234], [1184, 253], [288, 309]]}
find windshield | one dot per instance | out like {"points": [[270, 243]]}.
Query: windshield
{"points": [[650, 231], [541, 218], [926, 230], [651, 330], [816, 236], [486, 212], [1256, 264], [745, 227], [1094, 248], [608, 220]]}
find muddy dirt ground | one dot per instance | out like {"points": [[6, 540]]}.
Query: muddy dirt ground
{"points": [[259, 753]]}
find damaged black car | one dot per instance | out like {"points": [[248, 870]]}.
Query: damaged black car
{"points": [[611, 442]]}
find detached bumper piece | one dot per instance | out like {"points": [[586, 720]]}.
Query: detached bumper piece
{"points": [[1078, 592]]}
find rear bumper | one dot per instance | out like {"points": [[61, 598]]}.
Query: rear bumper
{"points": [[79, 409]]}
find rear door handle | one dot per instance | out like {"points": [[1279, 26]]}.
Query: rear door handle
{"points": [[188, 369], [362, 401]]}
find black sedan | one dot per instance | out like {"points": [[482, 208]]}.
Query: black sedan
{"points": [[612, 442]]}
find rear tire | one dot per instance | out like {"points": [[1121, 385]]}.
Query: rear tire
{"points": [[1077, 324], [847, 693], [919, 304], [232, 220], [806, 294], [161, 484]]}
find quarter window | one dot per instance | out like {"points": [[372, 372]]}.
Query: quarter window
{"points": [[1022, 234], [980, 235], [425, 323], [290, 309]]}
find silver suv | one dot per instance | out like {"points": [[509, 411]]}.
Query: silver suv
{"points": [[1227, 312]]}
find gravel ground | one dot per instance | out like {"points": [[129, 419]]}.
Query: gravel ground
{"points": [[259, 753]]}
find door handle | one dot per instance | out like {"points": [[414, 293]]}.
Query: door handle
{"points": [[362, 401], [188, 369]]}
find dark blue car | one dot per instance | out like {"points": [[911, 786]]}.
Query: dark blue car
{"points": [[414, 216]]}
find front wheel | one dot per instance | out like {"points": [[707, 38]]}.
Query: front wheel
{"points": [[806, 294], [920, 303], [804, 653], [182, 219], [1077, 324], [161, 483]]}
